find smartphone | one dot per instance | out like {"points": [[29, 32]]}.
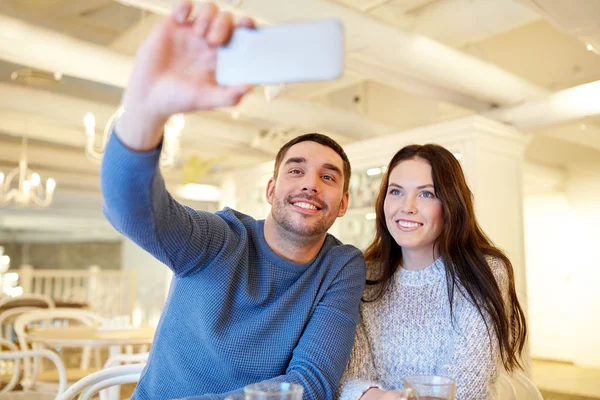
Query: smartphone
{"points": [[286, 53]]}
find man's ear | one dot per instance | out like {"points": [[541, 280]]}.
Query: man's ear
{"points": [[270, 190], [344, 205]]}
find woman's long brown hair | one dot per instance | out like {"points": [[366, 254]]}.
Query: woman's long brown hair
{"points": [[463, 247]]}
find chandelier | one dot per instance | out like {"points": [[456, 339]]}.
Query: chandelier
{"points": [[171, 147], [23, 187]]}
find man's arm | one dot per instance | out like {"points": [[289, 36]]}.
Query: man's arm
{"points": [[319, 359], [173, 72], [137, 204]]}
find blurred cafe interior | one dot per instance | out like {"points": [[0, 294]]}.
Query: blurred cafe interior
{"points": [[511, 87]]}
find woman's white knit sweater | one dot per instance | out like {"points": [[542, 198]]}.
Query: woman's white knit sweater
{"points": [[408, 331]]}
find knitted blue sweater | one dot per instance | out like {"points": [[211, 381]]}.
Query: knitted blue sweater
{"points": [[236, 313]]}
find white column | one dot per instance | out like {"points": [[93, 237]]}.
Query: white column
{"points": [[496, 179]]}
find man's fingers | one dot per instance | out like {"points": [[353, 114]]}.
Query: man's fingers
{"points": [[220, 29], [246, 22], [204, 18], [219, 96], [182, 11]]}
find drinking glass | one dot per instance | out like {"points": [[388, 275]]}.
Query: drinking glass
{"points": [[270, 391], [429, 387]]}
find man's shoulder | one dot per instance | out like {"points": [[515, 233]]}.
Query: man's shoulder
{"points": [[345, 252], [231, 214], [226, 219], [335, 242], [344, 262]]}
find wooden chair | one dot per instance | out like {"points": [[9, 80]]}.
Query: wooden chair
{"points": [[46, 317], [8, 393], [103, 379]]}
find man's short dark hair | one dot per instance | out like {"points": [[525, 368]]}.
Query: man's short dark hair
{"points": [[317, 138]]}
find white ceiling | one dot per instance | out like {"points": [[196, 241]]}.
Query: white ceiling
{"points": [[409, 63]]}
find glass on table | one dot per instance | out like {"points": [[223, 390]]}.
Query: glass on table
{"points": [[429, 387], [270, 391]]}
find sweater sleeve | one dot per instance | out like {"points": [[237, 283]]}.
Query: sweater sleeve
{"points": [[476, 359], [360, 374], [137, 204], [319, 359]]}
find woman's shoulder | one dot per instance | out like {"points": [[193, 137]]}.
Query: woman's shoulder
{"points": [[498, 267]]}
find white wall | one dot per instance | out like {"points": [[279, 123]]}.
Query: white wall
{"points": [[549, 242], [583, 193], [562, 232]]}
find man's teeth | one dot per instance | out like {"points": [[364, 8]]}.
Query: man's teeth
{"points": [[305, 205], [405, 224]]}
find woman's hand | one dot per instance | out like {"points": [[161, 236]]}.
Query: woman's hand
{"points": [[380, 394]]}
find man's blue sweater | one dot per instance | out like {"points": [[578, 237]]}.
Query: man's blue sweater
{"points": [[236, 313]]}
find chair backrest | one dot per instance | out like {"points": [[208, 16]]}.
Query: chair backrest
{"points": [[105, 378], [524, 387], [18, 355], [85, 317], [16, 368], [7, 319], [27, 300], [505, 389]]}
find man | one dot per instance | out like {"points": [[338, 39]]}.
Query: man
{"points": [[274, 299]]}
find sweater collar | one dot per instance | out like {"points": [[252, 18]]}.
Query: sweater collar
{"points": [[421, 277]]}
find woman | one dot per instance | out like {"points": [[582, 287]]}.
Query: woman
{"points": [[440, 298]]}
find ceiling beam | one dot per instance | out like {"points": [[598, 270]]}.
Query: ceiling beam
{"points": [[71, 110], [56, 52], [22, 43], [460, 22], [413, 55], [129, 41], [566, 105], [386, 75], [76, 8]]}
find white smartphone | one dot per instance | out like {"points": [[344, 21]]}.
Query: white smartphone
{"points": [[286, 53]]}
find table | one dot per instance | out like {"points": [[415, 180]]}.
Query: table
{"points": [[84, 336]]}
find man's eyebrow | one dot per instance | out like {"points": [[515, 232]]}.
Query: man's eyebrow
{"points": [[295, 160], [333, 168]]}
